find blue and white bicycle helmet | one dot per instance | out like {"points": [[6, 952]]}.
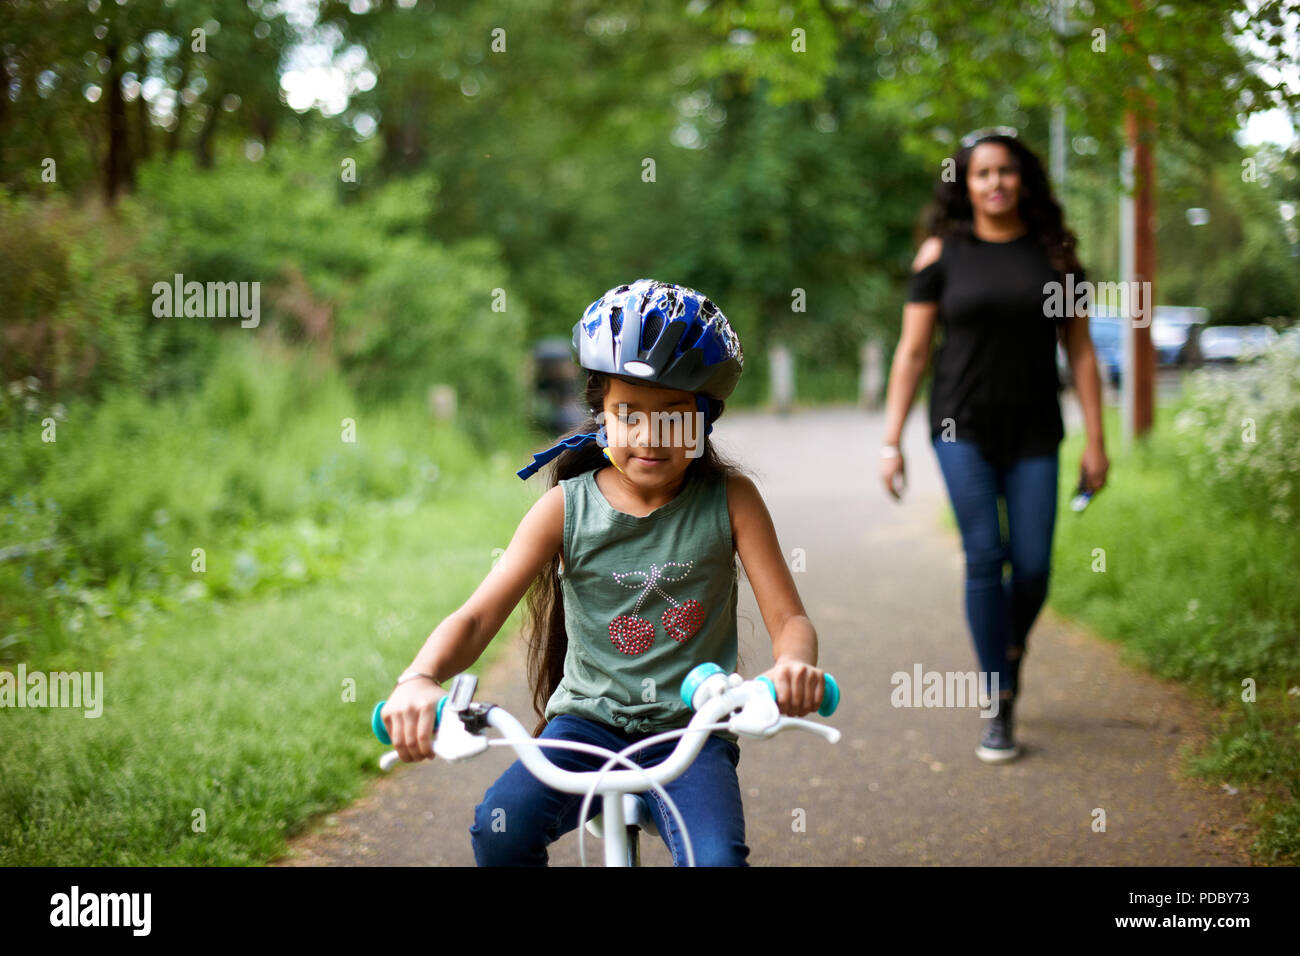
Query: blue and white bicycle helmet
{"points": [[661, 334]]}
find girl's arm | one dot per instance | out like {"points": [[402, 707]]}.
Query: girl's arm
{"points": [[461, 638], [794, 642]]}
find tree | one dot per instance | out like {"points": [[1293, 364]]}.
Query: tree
{"points": [[72, 69]]}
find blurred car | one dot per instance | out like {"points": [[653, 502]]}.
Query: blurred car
{"points": [[1225, 344], [1173, 333], [1105, 330]]}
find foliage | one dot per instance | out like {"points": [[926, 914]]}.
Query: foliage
{"points": [[1239, 432], [254, 468], [1198, 585], [355, 277], [96, 88], [72, 295]]}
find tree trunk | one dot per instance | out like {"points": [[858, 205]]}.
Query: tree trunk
{"points": [[174, 140], [1141, 137], [120, 174], [203, 145], [4, 98], [142, 127], [265, 126]]}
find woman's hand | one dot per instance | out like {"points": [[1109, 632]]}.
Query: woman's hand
{"points": [[408, 715], [799, 686], [1094, 464], [893, 475]]}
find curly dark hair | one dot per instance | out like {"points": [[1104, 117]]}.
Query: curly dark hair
{"points": [[949, 212]]}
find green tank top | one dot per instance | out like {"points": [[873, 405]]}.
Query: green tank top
{"points": [[645, 600]]}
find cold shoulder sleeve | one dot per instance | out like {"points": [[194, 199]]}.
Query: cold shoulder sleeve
{"points": [[926, 285]]}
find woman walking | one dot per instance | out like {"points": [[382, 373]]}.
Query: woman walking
{"points": [[995, 240]]}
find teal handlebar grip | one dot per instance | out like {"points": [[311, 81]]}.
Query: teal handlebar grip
{"points": [[830, 696], [698, 675], [830, 693], [377, 725], [377, 722]]}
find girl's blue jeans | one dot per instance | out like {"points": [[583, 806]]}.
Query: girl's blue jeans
{"points": [[1000, 612], [519, 816]]}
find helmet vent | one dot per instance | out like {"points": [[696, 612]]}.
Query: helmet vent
{"points": [[616, 320], [693, 334], [654, 324]]}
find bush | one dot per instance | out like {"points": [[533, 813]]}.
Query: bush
{"points": [[102, 524], [359, 279], [1238, 431], [353, 276], [72, 296]]}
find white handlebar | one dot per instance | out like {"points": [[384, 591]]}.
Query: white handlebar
{"points": [[744, 707], [569, 781], [758, 716]]}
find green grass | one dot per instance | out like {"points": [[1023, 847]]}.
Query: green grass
{"points": [[328, 562], [255, 473], [234, 704], [237, 708], [1197, 590]]}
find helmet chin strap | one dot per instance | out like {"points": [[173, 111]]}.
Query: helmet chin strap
{"points": [[600, 438], [612, 461], [702, 404]]}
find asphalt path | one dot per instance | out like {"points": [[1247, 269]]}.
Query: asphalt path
{"points": [[882, 583]]}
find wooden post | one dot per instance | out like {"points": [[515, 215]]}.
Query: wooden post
{"points": [[782, 368], [1139, 133], [872, 377]]}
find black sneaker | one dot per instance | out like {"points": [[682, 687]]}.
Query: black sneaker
{"points": [[997, 743]]}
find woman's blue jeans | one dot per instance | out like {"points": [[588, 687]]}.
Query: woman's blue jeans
{"points": [[1001, 612], [519, 816]]}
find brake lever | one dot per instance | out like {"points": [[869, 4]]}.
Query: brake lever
{"points": [[759, 717], [798, 723], [454, 740]]}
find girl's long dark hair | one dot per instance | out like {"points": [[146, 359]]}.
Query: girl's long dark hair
{"points": [[949, 212], [547, 639]]}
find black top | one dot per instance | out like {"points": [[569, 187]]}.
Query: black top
{"points": [[995, 368]]}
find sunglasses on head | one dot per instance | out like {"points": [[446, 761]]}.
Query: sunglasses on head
{"points": [[970, 139]]}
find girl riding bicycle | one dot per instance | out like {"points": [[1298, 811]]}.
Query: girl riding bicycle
{"points": [[629, 565]]}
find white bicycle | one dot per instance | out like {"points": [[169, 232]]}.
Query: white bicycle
{"points": [[720, 701]]}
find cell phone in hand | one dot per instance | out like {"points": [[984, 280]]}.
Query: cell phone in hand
{"points": [[1081, 495]]}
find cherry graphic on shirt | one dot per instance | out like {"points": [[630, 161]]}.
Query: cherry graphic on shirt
{"points": [[681, 622], [632, 634]]}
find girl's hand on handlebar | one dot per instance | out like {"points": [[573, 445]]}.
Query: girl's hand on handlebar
{"points": [[408, 716], [799, 686]]}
